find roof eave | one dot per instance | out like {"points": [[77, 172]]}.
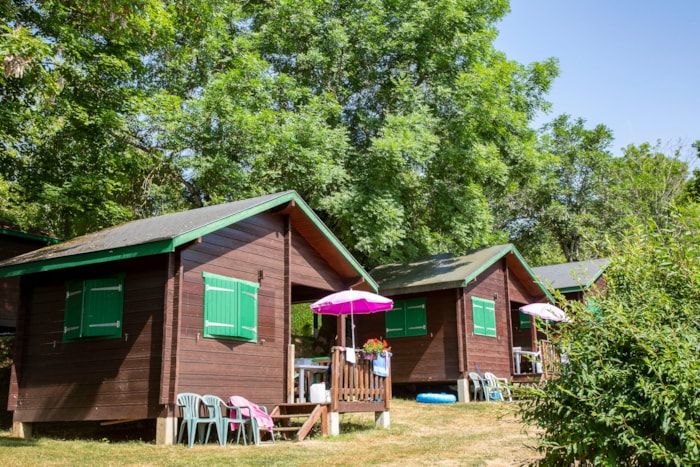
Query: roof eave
{"points": [[85, 259], [31, 236]]}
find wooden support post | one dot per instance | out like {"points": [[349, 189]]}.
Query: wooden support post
{"points": [[166, 430], [290, 373], [463, 394], [334, 423], [382, 420], [22, 429]]}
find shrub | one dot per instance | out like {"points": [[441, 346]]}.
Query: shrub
{"points": [[630, 394]]}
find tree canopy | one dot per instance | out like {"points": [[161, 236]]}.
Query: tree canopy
{"points": [[395, 120]]}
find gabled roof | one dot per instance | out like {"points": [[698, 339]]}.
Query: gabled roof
{"points": [[571, 277], [445, 271], [163, 234]]}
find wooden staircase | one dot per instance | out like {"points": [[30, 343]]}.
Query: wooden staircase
{"points": [[295, 421]]}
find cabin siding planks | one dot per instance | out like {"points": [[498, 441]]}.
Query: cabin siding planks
{"points": [[11, 246], [91, 379]]}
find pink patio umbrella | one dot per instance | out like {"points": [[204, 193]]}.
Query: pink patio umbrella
{"points": [[545, 311], [351, 302]]}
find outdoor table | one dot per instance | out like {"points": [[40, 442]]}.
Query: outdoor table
{"points": [[311, 369], [518, 353]]}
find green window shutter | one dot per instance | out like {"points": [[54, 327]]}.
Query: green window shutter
{"points": [[490, 317], [525, 320], [248, 310], [478, 316], [103, 307], [73, 313], [415, 316], [484, 317], [220, 306], [395, 321]]}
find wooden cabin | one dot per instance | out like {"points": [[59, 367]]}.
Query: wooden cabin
{"points": [[576, 280], [13, 242], [114, 324], [452, 314]]}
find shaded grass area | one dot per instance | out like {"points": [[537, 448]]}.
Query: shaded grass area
{"points": [[478, 434]]}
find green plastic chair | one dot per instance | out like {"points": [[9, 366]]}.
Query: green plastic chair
{"points": [[215, 404], [190, 404]]}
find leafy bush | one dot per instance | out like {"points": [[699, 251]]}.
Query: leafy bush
{"points": [[630, 394]]}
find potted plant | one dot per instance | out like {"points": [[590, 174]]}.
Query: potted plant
{"points": [[373, 347]]}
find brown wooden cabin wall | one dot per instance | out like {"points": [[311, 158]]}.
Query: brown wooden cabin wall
{"points": [[226, 367], [103, 379], [10, 247], [308, 268], [420, 359], [492, 354]]}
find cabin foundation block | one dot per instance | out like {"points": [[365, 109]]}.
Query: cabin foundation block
{"points": [[382, 420], [462, 390], [334, 423], [166, 428], [22, 429]]}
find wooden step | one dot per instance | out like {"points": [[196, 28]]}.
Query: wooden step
{"points": [[283, 414]]}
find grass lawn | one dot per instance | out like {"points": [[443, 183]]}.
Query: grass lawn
{"points": [[478, 434]]}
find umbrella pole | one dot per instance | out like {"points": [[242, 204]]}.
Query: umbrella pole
{"points": [[352, 326]]}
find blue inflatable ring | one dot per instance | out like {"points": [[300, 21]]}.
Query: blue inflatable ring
{"points": [[433, 398]]}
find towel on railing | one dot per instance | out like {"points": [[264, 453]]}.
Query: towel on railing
{"points": [[380, 366], [350, 355], [264, 420]]}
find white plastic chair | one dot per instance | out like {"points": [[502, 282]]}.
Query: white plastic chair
{"points": [[479, 389], [498, 387]]}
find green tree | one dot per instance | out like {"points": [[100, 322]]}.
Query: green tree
{"points": [[630, 393], [74, 75], [556, 215], [643, 184], [436, 119]]}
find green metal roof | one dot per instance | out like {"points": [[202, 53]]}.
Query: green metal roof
{"points": [[163, 234], [445, 271]]}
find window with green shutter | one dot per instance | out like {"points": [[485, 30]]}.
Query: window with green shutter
{"points": [[94, 308], [525, 320], [230, 307], [484, 317], [407, 318]]}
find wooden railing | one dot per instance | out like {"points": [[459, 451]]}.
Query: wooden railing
{"points": [[355, 387], [550, 360]]}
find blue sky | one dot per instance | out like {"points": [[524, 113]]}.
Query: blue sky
{"points": [[633, 66]]}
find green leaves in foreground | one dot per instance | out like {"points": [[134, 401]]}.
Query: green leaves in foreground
{"points": [[630, 394]]}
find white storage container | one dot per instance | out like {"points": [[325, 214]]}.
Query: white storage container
{"points": [[318, 393]]}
